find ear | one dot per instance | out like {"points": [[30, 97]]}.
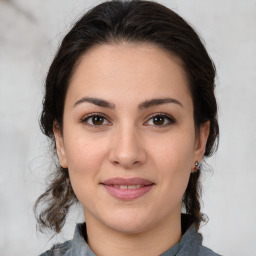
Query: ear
{"points": [[201, 141], [60, 145]]}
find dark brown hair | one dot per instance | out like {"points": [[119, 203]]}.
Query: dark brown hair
{"points": [[136, 22]]}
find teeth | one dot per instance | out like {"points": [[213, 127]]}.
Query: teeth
{"points": [[134, 186], [127, 187]]}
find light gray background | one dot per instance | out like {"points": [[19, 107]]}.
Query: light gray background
{"points": [[29, 34]]}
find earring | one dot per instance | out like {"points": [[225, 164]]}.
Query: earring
{"points": [[197, 167]]}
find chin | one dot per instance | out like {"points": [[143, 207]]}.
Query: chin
{"points": [[128, 227], [128, 223]]}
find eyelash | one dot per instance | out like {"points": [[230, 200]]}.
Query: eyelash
{"points": [[170, 119], [86, 117]]}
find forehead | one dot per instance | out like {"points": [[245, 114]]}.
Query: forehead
{"points": [[128, 70]]}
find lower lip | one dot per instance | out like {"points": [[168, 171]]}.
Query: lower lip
{"points": [[128, 194]]}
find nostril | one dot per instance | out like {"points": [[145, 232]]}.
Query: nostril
{"points": [[130, 164]]}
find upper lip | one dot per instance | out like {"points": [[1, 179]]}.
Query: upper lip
{"points": [[127, 181]]}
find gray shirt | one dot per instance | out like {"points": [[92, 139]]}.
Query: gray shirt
{"points": [[189, 245]]}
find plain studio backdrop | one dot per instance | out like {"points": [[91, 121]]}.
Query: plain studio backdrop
{"points": [[30, 32]]}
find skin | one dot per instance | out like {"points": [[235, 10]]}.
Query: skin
{"points": [[128, 143]]}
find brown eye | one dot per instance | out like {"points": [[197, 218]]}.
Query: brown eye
{"points": [[160, 120], [95, 120]]}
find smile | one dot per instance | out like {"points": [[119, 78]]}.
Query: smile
{"points": [[127, 189]]}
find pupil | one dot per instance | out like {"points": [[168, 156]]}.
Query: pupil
{"points": [[158, 120], [97, 120]]}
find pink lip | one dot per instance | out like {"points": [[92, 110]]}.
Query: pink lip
{"points": [[127, 194], [128, 181]]}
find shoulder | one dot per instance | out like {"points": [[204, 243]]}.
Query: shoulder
{"points": [[58, 249], [74, 247], [204, 251]]}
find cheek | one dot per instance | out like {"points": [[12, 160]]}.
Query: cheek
{"points": [[83, 153], [176, 151], [173, 158], [84, 159]]}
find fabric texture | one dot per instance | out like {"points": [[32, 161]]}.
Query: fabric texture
{"points": [[189, 245]]}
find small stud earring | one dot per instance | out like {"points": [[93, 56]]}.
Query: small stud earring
{"points": [[197, 167]]}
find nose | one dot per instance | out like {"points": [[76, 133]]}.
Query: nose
{"points": [[127, 149]]}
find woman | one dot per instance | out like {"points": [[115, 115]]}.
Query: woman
{"points": [[130, 108]]}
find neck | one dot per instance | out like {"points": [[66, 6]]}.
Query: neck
{"points": [[108, 242]]}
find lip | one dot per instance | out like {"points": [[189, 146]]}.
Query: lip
{"points": [[127, 181], [111, 185]]}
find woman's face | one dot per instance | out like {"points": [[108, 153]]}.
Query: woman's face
{"points": [[128, 136]]}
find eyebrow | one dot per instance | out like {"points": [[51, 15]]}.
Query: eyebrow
{"points": [[144, 105], [156, 102], [95, 101]]}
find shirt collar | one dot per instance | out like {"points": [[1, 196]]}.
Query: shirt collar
{"points": [[79, 244], [188, 245]]}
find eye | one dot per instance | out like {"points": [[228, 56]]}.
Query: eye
{"points": [[95, 119], [160, 119]]}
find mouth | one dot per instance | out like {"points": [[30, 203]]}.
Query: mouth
{"points": [[127, 189]]}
